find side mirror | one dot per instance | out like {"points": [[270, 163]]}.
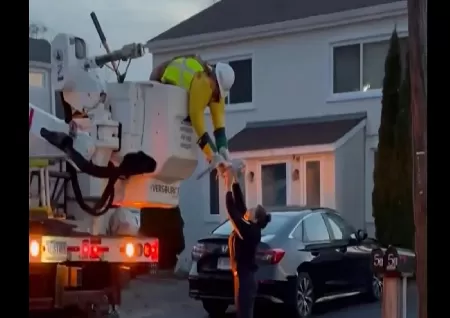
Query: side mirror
{"points": [[361, 235]]}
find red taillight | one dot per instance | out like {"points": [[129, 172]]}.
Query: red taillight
{"points": [[89, 249], [273, 256], [151, 250], [84, 253], [197, 251]]}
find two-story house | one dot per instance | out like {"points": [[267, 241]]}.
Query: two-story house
{"points": [[304, 111]]}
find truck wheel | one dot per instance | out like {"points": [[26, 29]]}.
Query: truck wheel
{"points": [[215, 308]]}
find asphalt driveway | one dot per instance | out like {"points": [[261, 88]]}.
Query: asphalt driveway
{"points": [[167, 298]]}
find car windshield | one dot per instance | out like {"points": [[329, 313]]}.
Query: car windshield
{"points": [[278, 221]]}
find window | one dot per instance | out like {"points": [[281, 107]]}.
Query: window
{"points": [[360, 67], [314, 228], [36, 79], [213, 193], [341, 230], [278, 221], [337, 232], [313, 183], [273, 183], [242, 90], [298, 233]]}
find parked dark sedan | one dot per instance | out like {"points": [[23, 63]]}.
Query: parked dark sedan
{"points": [[306, 255]]}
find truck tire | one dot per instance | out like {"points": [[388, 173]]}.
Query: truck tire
{"points": [[215, 308]]}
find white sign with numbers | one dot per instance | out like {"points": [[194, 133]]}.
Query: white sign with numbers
{"points": [[224, 264]]}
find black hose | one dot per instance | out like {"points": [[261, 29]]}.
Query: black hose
{"points": [[132, 164]]}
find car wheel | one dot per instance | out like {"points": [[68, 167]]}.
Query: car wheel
{"points": [[305, 295], [375, 290], [215, 308]]}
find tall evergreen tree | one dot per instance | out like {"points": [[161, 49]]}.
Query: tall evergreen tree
{"points": [[403, 219], [382, 203]]}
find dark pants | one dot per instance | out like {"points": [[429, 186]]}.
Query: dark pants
{"points": [[245, 288]]}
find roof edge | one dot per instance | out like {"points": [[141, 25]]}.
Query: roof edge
{"points": [[392, 9], [282, 152]]}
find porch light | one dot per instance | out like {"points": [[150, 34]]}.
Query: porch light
{"points": [[295, 175], [251, 176]]}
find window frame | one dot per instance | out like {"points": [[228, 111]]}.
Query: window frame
{"points": [[47, 69], [235, 58], [304, 161], [259, 184], [361, 41], [302, 224], [328, 215]]}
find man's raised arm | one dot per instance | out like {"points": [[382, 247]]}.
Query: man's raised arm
{"points": [[239, 198], [240, 225]]}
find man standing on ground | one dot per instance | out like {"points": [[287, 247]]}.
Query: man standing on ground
{"points": [[243, 243]]}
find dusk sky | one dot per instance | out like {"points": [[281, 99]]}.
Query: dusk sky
{"points": [[123, 22]]}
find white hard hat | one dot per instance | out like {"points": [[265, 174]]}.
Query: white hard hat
{"points": [[225, 78]]}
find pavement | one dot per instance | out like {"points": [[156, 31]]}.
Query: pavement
{"points": [[155, 297]]}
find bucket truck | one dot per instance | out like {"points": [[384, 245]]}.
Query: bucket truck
{"points": [[125, 143]]}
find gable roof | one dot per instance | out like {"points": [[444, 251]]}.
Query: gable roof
{"points": [[227, 15], [278, 134]]}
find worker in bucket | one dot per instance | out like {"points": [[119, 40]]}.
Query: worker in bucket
{"points": [[206, 85], [243, 242]]}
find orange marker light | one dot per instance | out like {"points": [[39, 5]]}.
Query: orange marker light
{"points": [[129, 250], [34, 248]]}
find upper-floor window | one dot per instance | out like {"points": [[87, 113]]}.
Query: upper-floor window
{"points": [[36, 79], [242, 90], [360, 67]]}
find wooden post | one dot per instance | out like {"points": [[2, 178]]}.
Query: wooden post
{"points": [[417, 26], [391, 299]]}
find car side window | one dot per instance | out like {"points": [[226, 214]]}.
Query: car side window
{"points": [[340, 229], [298, 232], [315, 229]]}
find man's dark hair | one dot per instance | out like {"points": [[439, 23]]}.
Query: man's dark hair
{"points": [[262, 217]]}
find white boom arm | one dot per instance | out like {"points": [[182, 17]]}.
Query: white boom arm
{"points": [[133, 135]]}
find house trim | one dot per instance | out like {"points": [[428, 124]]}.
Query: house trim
{"points": [[281, 28], [341, 141], [299, 150]]}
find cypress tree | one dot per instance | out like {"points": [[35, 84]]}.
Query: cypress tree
{"points": [[382, 203], [403, 218]]}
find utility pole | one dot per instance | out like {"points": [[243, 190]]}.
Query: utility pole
{"points": [[417, 26]]}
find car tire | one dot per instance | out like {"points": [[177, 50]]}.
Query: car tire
{"points": [[374, 289], [304, 298], [215, 308]]}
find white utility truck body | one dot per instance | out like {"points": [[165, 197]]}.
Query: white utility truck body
{"points": [[128, 146]]}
